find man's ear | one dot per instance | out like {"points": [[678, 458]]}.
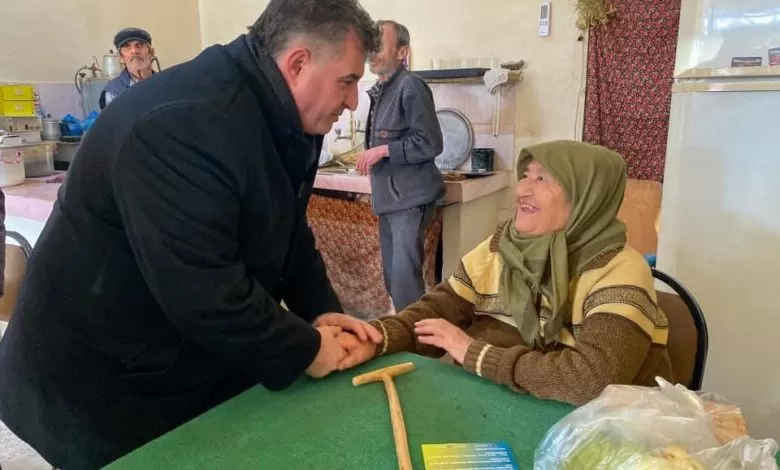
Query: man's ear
{"points": [[403, 53], [293, 62]]}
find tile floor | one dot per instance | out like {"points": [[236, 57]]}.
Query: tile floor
{"points": [[16, 455]]}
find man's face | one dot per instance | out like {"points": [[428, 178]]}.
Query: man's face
{"points": [[323, 82], [390, 56], [137, 56]]}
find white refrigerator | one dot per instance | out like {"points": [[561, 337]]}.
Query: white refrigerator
{"points": [[720, 218]]}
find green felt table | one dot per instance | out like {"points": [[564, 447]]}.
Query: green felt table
{"points": [[329, 424]]}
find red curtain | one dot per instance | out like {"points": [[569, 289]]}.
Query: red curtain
{"points": [[629, 83]]}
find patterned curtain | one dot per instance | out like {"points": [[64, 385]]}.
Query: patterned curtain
{"points": [[347, 235], [629, 83]]}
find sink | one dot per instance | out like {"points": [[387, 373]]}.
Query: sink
{"points": [[338, 170]]}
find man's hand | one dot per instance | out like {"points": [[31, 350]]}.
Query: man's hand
{"points": [[444, 335], [330, 355], [370, 157], [363, 330], [357, 351]]}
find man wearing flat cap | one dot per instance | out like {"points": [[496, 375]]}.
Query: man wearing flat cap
{"points": [[136, 54]]}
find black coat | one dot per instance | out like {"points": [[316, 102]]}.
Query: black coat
{"points": [[154, 290]]}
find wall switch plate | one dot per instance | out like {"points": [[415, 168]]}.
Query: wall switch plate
{"points": [[544, 18]]}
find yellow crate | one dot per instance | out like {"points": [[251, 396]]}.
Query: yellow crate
{"points": [[17, 108], [16, 93]]}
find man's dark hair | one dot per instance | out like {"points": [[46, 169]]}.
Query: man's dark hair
{"points": [[401, 32], [326, 21]]}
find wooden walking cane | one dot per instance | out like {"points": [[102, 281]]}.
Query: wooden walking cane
{"points": [[396, 415]]}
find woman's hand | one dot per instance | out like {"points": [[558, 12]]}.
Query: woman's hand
{"points": [[363, 330], [357, 351], [444, 335]]}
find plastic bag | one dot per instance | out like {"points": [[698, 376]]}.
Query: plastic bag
{"points": [[70, 125], [669, 427], [87, 122]]}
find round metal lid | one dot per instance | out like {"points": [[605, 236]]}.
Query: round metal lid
{"points": [[458, 139]]}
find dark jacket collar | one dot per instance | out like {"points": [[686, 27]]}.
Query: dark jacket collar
{"points": [[125, 78], [120, 83], [266, 81], [378, 86]]}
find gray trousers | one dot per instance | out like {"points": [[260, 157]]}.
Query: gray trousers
{"points": [[402, 240]]}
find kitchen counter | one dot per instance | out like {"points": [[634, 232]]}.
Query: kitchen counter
{"points": [[33, 199], [347, 233], [345, 228], [458, 192]]}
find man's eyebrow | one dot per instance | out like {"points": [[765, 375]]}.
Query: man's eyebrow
{"points": [[352, 76]]}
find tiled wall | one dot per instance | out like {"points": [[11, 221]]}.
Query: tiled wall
{"points": [[474, 101], [478, 105], [59, 99]]}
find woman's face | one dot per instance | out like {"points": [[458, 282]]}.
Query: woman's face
{"points": [[541, 202]]}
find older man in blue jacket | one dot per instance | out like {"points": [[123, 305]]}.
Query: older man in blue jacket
{"points": [[134, 46]]}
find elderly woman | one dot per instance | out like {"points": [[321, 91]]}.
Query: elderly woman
{"points": [[554, 303]]}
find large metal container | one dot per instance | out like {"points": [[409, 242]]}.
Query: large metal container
{"points": [[38, 159], [11, 161]]}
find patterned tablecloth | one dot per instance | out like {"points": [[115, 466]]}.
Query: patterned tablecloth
{"points": [[347, 234]]}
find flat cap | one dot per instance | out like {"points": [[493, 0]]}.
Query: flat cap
{"points": [[131, 34]]}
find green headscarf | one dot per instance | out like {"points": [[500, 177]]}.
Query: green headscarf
{"points": [[594, 179]]}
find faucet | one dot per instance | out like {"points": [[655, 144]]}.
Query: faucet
{"points": [[354, 129]]}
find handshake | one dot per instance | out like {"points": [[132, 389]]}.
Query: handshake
{"points": [[345, 342]]}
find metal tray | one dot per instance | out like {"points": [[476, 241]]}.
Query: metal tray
{"points": [[458, 139]]}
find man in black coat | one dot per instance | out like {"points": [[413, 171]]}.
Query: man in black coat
{"points": [[154, 291]]}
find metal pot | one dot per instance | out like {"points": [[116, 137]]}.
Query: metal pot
{"points": [[65, 152], [50, 129], [11, 161], [38, 159]]}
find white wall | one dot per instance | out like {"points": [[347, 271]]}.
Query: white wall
{"points": [[467, 28], [48, 40], [549, 101]]}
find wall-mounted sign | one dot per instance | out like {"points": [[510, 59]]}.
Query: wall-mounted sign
{"points": [[746, 61], [774, 56]]}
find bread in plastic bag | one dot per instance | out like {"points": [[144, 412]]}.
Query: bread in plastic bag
{"points": [[668, 427]]}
